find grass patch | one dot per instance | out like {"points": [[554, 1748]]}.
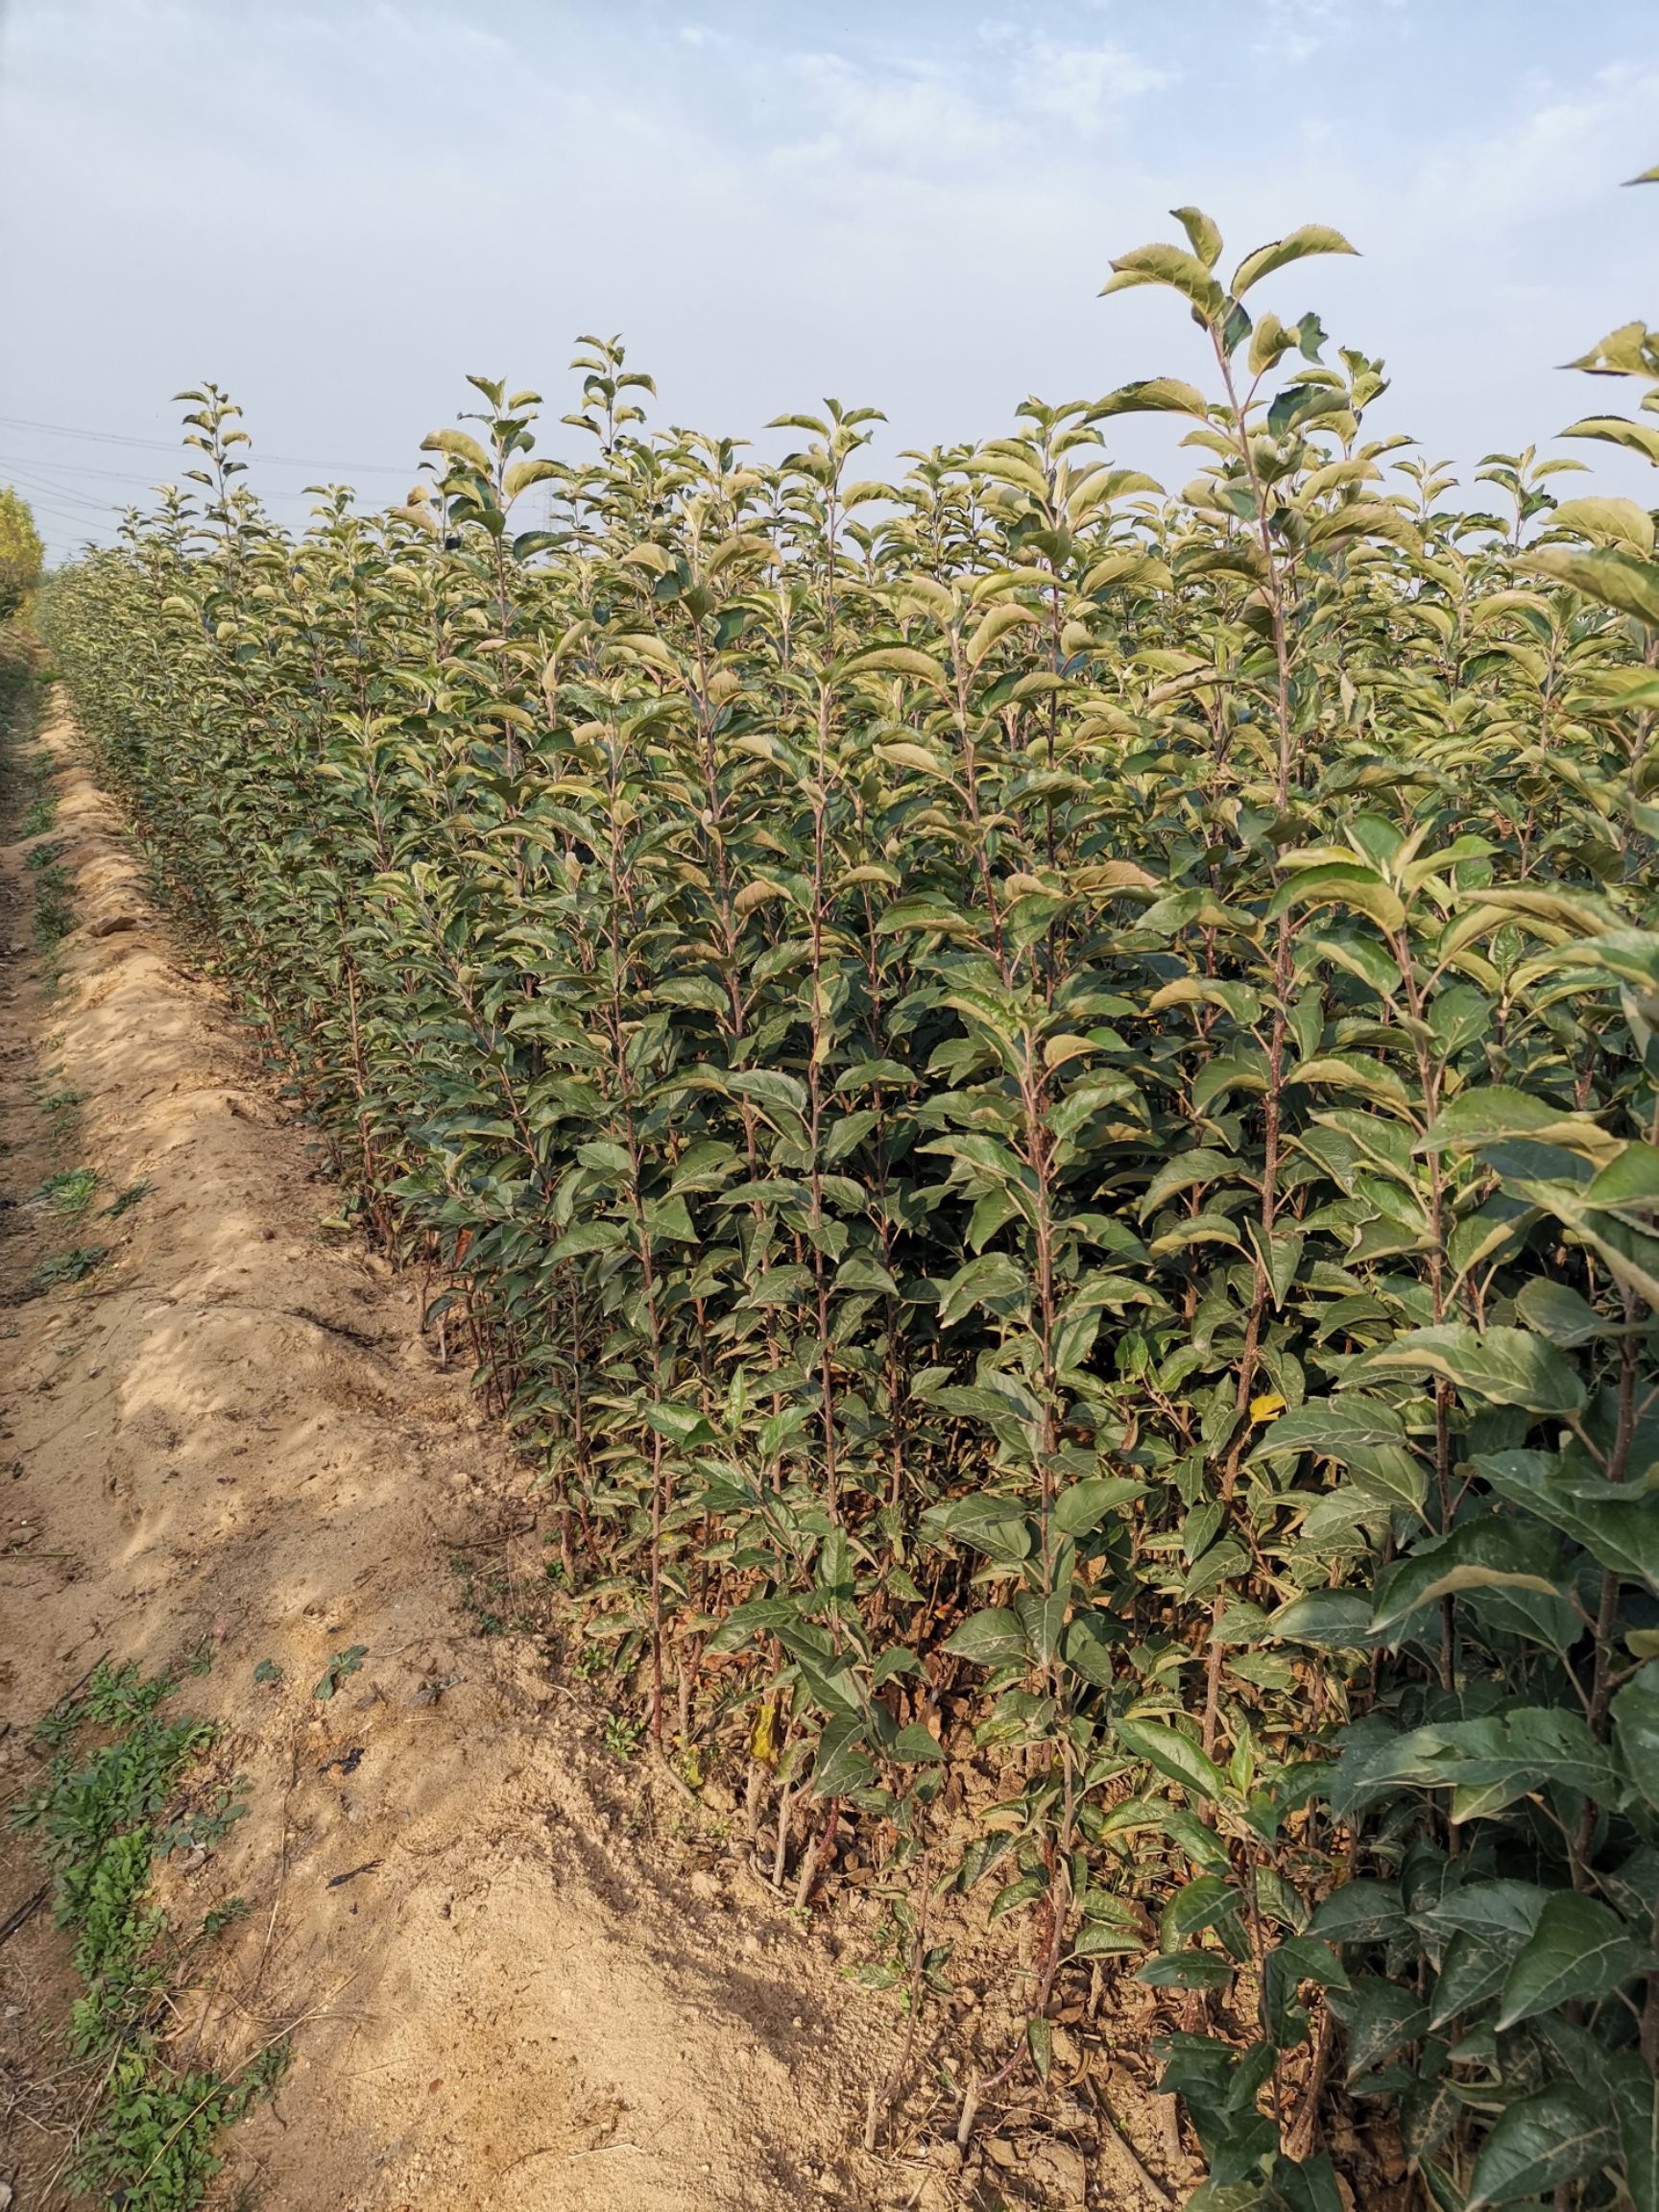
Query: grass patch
{"points": [[41, 811], [70, 1192], [72, 1266], [53, 915], [62, 1109], [131, 1196], [106, 1813], [496, 1602]]}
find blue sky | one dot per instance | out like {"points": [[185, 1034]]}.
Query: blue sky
{"points": [[339, 208]]}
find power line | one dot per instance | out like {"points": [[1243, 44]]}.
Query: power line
{"points": [[95, 437], [32, 481], [78, 469], [177, 446]]}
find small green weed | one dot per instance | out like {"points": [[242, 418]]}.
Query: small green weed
{"points": [[909, 1964], [62, 1267], [494, 1601], [53, 915], [124, 1199], [340, 1667], [41, 811], [198, 1827], [70, 1192], [45, 855], [622, 1736], [60, 1108], [101, 1819]]}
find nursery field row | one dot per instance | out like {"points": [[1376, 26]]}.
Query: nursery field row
{"points": [[1039, 1099]]}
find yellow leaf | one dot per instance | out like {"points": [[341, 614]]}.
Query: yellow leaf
{"points": [[1059, 1050], [763, 1744], [756, 894], [903, 755], [1267, 1408]]}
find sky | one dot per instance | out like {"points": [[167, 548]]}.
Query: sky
{"points": [[337, 209]]}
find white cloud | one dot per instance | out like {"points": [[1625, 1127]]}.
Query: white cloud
{"points": [[1297, 30], [1084, 87], [904, 115], [339, 205]]}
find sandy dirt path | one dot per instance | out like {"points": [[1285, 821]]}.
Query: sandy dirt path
{"points": [[529, 1977]]}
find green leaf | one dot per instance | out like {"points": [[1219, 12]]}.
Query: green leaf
{"points": [[1084, 1506], [1484, 1943], [1202, 233], [987, 1519], [1279, 253], [587, 1236], [899, 660], [1618, 430], [991, 1278], [1288, 1966], [1204, 1903], [1636, 2105], [1473, 1970], [1380, 2018], [1629, 1183], [1170, 266], [842, 1764], [1364, 1910], [1616, 580], [1505, 1367], [928, 910], [1580, 1949], [1042, 1615], [1154, 396], [1349, 1071], [1544, 2139], [680, 1424], [459, 446], [1617, 1524], [1096, 1939], [1557, 1311], [916, 1745], [1334, 1428], [1024, 1892], [340, 1667], [1174, 1755], [1089, 1647], [1496, 1113], [1202, 1845], [1188, 1970], [1487, 1554], [1341, 883], [1491, 1762], [1334, 1620], [1187, 1171], [670, 1218], [991, 1638], [1636, 1731]]}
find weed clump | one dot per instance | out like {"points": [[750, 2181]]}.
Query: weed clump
{"points": [[105, 1812]]}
